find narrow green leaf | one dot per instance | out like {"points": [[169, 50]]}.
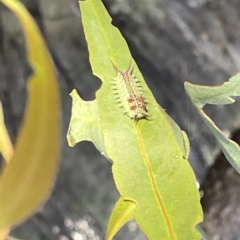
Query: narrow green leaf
{"points": [[182, 138], [122, 213], [27, 180], [202, 95], [149, 165], [203, 234], [6, 147]]}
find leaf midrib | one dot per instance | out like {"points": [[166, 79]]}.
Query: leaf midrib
{"points": [[153, 182]]}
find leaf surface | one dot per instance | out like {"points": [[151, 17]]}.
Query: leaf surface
{"points": [[203, 234], [28, 178], [85, 123], [122, 213], [6, 147], [149, 166], [202, 95]]}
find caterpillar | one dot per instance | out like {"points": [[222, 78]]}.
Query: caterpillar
{"points": [[129, 94]]}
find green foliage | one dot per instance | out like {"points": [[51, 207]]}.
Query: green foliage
{"points": [[202, 95], [155, 181], [203, 234], [26, 181], [6, 147], [85, 124]]}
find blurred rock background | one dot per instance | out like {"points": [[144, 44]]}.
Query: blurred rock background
{"points": [[172, 41]]}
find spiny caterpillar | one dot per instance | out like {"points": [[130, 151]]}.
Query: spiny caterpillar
{"points": [[129, 94]]}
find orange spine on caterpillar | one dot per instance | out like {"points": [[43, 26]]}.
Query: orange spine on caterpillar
{"points": [[129, 94]]}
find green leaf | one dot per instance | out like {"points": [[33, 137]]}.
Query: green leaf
{"points": [[202, 95], [149, 166], [27, 179], [6, 147], [203, 234], [122, 213], [182, 138], [85, 123]]}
